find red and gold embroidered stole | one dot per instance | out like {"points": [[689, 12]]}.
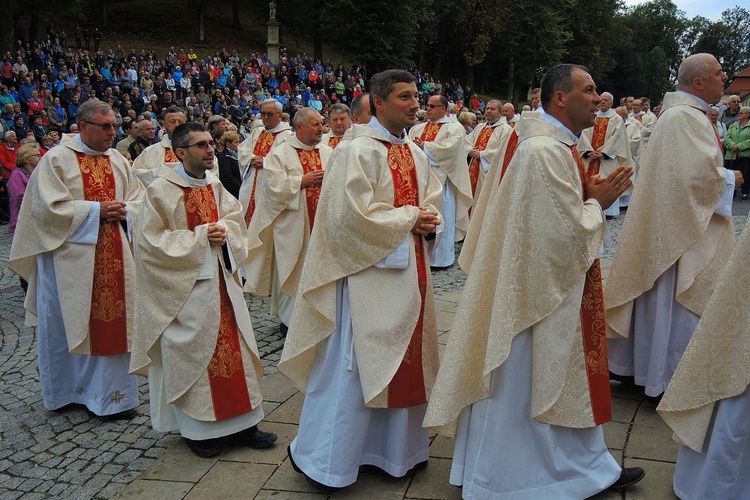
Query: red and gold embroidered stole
{"points": [[510, 150], [430, 131], [594, 328], [474, 165], [407, 386], [169, 156], [598, 136], [333, 141], [310, 161], [108, 326], [226, 372], [262, 148], [639, 118]]}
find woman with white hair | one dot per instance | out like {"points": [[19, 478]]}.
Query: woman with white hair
{"points": [[721, 129]]}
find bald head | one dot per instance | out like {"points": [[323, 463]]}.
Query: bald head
{"points": [[508, 111], [623, 112], [702, 76]]}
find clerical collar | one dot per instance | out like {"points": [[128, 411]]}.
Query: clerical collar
{"points": [[703, 104], [606, 114], [278, 128], [376, 125], [191, 179], [557, 123], [444, 119], [87, 150]]}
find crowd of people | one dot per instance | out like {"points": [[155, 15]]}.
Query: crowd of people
{"points": [[147, 194]]}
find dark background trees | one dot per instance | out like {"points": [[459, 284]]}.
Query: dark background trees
{"points": [[498, 47]]}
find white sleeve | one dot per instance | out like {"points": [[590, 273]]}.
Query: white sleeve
{"points": [[88, 232]]}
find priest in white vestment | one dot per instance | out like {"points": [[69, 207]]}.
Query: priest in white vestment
{"points": [[677, 235], [72, 246], [643, 115], [707, 403], [484, 143], [443, 141], [255, 148], [605, 146], [287, 196], [524, 372], [339, 121], [193, 335], [633, 130], [363, 338]]}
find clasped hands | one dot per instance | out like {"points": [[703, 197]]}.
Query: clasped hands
{"points": [[313, 178], [112, 211], [427, 222], [217, 234]]}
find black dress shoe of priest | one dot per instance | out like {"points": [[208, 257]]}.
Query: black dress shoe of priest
{"points": [[256, 438], [627, 380], [205, 448], [318, 486], [628, 477]]}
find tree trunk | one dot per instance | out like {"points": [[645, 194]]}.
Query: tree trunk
{"points": [[512, 81], [317, 46], [8, 22], [34, 25], [99, 9], [469, 76], [437, 68], [236, 14]]}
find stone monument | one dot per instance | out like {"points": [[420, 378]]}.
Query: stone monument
{"points": [[273, 34]]}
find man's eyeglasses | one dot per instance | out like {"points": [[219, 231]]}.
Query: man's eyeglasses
{"points": [[432, 106], [268, 114], [105, 126], [202, 145]]}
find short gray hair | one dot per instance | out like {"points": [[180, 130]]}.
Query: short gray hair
{"points": [[8, 134], [745, 109], [276, 104], [89, 109], [339, 108], [302, 115]]}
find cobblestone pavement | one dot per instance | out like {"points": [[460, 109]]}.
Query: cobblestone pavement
{"points": [[69, 454]]}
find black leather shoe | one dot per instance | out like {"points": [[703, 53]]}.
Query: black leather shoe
{"points": [[255, 438], [318, 486], [628, 477], [626, 380], [205, 448]]}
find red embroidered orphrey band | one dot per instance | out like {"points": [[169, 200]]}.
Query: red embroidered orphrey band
{"points": [[430, 131], [169, 156], [594, 328], [310, 161], [474, 165], [333, 141], [510, 150], [108, 326], [598, 136], [262, 148], [407, 386], [226, 371]]}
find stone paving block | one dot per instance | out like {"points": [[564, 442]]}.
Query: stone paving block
{"points": [[623, 410], [442, 447], [615, 434], [143, 489], [374, 483], [288, 495], [221, 481], [432, 483], [285, 479], [273, 455], [657, 485], [651, 438], [445, 319], [276, 388], [289, 411], [179, 464]]}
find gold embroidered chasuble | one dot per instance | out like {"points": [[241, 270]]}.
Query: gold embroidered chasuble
{"points": [[182, 308], [672, 219], [446, 145], [357, 225], [280, 227], [52, 211], [529, 271]]}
